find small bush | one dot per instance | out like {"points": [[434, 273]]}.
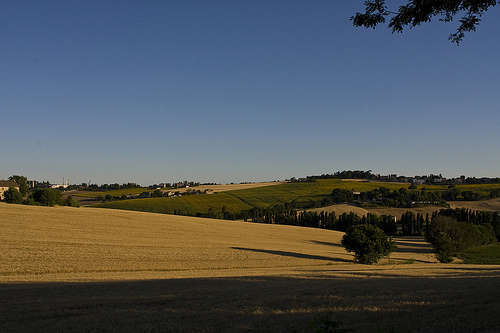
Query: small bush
{"points": [[339, 195], [368, 242], [48, 196], [157, 194], [12, 195], [71, 202]]}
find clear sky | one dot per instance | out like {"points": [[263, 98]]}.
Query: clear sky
{"points": [[152, 91]]}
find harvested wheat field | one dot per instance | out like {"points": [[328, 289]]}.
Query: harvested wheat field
{"points": [[225, 187], [63, 243], [339, 209], [89, 269], [492, 205]]}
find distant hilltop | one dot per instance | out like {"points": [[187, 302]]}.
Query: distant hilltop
{"points": [[417, 180]]}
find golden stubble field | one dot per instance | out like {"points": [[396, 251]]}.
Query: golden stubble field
{"points": [[225, 187], [339, 209], [64, 244], [492, 205], [89, 269]]}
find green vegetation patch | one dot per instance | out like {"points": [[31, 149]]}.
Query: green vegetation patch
{"points": [[486, 255], [238, 200], [115, 193], [260, 197], [188, 205]]}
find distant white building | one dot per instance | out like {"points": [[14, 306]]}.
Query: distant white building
{"points": [[418, 181], [64, 184], [59, 186]]}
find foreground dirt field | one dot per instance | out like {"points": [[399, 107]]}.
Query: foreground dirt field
{"points": [[64, 244], [83, 269]]}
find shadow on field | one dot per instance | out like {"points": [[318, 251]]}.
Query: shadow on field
{"points": [[422, 245], [325, 243], [412, 250], [458, 303], [292, 254], [413, 240]]}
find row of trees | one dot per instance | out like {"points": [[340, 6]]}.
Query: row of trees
{"points": [[404, 198], [323, 220], [149, 194], [473, 217], [103, 187], [43, 196], [427, 179]]}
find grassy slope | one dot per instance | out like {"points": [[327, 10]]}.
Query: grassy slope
{"points": [[92, 194], [488, 255], [237, 200], [492, 205]]}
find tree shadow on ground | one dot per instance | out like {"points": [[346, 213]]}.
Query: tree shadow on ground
{"points": [[414, 239], [412, 250], [325, 243], [424, 245], [292, 254]]}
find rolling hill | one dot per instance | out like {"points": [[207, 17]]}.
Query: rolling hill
{"points": [[235, 201], [64, 243], [99, 270]]}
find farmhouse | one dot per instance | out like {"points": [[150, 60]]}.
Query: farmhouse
{"points": [[4, 186]]}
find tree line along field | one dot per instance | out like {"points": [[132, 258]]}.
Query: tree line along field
{"points": [[262, 197], [118, 193], [86, 269], [340, 209], [139, 190]]}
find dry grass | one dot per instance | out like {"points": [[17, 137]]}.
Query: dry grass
{"points": [[492, 205], [64, 244], [400, 211], [345, 208], [84, 269], [340, 209], [225, 187]]}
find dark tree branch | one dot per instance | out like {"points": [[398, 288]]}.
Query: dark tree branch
{"points": [[416, 12]]}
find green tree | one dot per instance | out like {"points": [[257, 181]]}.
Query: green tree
{"points": [[48, 196], [416, 12], [22, 182], [450, 237], [340, 195], [69, 201], [12, 195], [368, 242], [157, 194]]}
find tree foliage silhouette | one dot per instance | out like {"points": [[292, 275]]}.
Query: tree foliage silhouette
{"points": [[416, 12]]}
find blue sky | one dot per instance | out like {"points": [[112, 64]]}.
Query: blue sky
{"points": [[152, 91]]}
